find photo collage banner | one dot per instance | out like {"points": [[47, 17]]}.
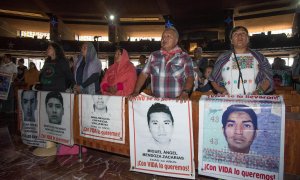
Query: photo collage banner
{"points": [[241, 137]]}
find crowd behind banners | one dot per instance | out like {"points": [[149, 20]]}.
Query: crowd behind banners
{"points": [[170, 72]]}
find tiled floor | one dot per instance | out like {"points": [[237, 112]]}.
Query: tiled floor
{"points": [[18, 162]]}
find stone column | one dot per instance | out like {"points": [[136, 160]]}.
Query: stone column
{"points": [[54, 34], [228, 25], [296, 23], [113, 30]]}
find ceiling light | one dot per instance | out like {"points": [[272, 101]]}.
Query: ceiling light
{"points": [[112, 17], [139, 19]]}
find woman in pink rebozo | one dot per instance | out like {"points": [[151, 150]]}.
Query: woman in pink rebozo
{"points": [[120, 78]]}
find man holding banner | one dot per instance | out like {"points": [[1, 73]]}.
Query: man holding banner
{"points": [[171, 69]]}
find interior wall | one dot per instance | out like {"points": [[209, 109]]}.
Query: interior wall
{"points": [[267, 23]]}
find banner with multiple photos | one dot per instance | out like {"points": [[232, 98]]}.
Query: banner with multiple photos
{"points": [[56, 117], [102, 117], [5, 82], [28, 118], [241, 137], [161, 137]]}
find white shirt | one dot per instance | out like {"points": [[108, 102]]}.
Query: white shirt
{"points": [[230, 73], [10, 68]]}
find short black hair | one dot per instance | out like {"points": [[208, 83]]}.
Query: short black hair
{"points": [[7, 55], [277, 76], [237, 28], [239, 107], [21, 60], [209, 66], [54, 94], [157, 107], [143, 56]]}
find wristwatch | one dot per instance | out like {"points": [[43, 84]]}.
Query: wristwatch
{"points": [[186, 91]]}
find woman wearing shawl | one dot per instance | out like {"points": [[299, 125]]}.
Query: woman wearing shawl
{"points": [[120, 77], [87, 73], [87, 70], [242, 71]]}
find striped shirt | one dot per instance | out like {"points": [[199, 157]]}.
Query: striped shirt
{"points": [[168, 77]]}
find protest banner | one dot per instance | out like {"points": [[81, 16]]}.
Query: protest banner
{"points": [[241, 137], [56, 117], [28, 118], [5, 82], [102, 117], [161, 137]]}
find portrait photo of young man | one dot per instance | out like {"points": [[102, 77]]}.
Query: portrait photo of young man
{"points": [[29, 105], [239, 127], [54, 107], [160, 123]]}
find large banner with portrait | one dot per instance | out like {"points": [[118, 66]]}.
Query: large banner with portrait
{"points": [[28, 118], [56, 117], [102, 117], [241, 137], [5, 82], [161, 137]]}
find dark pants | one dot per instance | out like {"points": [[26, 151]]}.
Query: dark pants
{"points": [[8, 105]]}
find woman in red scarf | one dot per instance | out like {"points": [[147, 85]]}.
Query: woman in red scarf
{"points": [[120, 78]]}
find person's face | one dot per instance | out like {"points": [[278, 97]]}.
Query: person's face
{"points": [[239, 132], [84, 49], [54, 110], [51, 52], [168, 40], [142, 60], [20, 63], [277, 81], [207, 72], [100, 102], [31, 66], [6, 60], [161, 127], [240, 39], [197, 55], [118, 56], [29, 104]]}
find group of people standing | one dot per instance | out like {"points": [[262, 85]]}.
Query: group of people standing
{"points": [[21, 75], [240, 70], [171, 70]]}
